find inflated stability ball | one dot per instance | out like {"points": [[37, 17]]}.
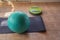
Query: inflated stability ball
{"points": [[35, 10], [18, 22]]}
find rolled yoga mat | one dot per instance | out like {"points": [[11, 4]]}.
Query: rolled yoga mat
{"points": [[36, 25]]}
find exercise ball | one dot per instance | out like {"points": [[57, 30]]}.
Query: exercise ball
{"points": [[18, 22], [35, 10]]}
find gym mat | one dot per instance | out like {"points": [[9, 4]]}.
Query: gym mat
{"points": [[36, 25]]}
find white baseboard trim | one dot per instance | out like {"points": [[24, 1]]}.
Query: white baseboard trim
{"points": [[45, 0], [35, 0]]}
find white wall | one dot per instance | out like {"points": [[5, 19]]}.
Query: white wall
{"points": [[17, 0], [41, 0], [23, 0], [38, 0], [45, 0]]}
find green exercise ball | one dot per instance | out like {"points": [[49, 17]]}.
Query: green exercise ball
{"points": [[18, 22], [35, 10]]}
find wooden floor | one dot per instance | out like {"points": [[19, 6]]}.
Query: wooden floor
{"points": [[51, 18]]}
